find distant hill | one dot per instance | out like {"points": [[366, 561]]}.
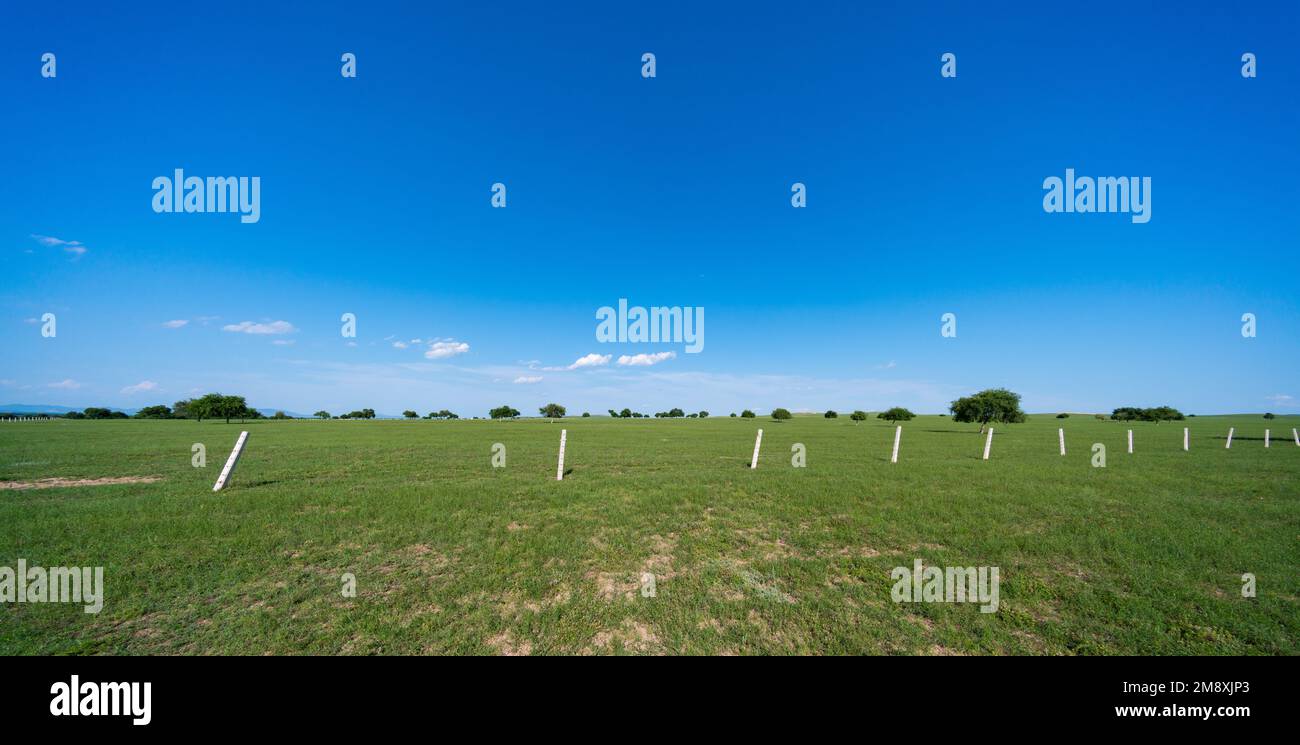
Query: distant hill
{"points": [[52, 409]]}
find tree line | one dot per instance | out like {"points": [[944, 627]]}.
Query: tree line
{"points": [[994, 405]]}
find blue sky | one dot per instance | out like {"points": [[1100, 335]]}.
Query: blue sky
{"points": [[924, 198]]}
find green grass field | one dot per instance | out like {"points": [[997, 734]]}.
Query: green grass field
{"points": [[451, 555]]}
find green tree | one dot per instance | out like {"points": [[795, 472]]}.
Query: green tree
{"points": [[154, 412], [232, 407], [586, 415], [212, 405], [322, 414], [503, 412], [747, 414], [1269, 415], [896, 414], [858, 416], [409, 414], [830, 414], [780, 414], [552, 411], [704, 415], [992, 405], [626, 413]]}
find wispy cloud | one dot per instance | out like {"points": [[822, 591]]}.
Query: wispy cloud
{"points": [[76, 248], [141, 387], [590, 360], [249, 327], [890, 365], [66, 384], [1282, 399], [443, 349], [645, 360], [399, 344], [283, 342], [526, 379], [175, 324]]}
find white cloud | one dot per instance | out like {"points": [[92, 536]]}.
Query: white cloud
{"points": [[77, 248], [399, 344], [525, 379], [590, 360], [175, 324], [1282, 399], [440, 349], [890, 365], [31, 320], [248, 327], [142, 386], [283, 342], [66, 384], [645, 360]]}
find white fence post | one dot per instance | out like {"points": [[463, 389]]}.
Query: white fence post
{"points": [[231, 461], [1265, 438], [1061, 434], [988, 443], [1296, 435], [559, 468], [1130, 442], [898, 435], [753, 463], [1186, 441], [1230, 431]]}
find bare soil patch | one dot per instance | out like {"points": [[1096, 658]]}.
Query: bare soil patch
{"points": [[54, 483]]}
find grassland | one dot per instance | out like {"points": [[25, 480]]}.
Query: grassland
{"points": [[450, 555]]}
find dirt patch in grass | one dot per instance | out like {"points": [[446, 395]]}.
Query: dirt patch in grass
{"points": [[62, 483], [611, 585], [506, 646], [633, 636]]}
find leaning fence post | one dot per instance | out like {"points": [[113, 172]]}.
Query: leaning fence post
{"points": [[231, 462]]}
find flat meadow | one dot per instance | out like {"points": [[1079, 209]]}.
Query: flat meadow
{"points": [[453, 556]]}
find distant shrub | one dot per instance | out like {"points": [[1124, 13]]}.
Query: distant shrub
{"points": [[831, 414], [1269, 416], [747, 414], [1062, 416], [780, 414], [1101, 417], [704, 415], [858, 416], [896, 414], [1156, 414], [586, 414]]}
